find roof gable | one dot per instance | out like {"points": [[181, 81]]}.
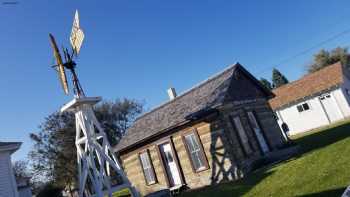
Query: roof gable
{"points": [[244, 86], [203, 97], [310, 84]]}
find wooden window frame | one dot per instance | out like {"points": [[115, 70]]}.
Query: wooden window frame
{"points": [[206, 163], [152, 167], [166, 176]]}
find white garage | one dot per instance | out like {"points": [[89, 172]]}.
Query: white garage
{"points": [[315, 100]]}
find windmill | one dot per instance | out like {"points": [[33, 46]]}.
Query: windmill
{"points": [[100, 173]]}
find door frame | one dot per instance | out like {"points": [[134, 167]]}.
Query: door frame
{"points": [[238, 137], [261, 131], [332, 97], [166, 176]]}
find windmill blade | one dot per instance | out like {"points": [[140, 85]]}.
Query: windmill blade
{"points": [[61, 70]]}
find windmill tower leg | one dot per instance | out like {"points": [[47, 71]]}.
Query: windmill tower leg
{"points": [[100, 173]]}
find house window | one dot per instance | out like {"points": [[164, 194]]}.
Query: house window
{"points": [[303, 107], [324, 96], [147, 167], [195, 151]]}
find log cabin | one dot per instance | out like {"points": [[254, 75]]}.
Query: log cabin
{"points": [[216, 131]]}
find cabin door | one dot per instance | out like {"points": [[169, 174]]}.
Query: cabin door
{"points": [[170, 164], [258, 133], [331, 108]]}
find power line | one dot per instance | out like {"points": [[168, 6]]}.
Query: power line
{"points": [[306, 50]]}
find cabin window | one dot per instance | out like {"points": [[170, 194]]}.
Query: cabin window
{"points": [[303, 107], [147, 167], [195, 151]]}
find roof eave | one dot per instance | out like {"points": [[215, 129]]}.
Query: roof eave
{"points": [[13, 147], [189, 118]]}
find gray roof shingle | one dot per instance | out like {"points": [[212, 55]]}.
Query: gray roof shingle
{"points": [[206, 95]]}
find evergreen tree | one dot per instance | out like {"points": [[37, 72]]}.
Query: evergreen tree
{"points": [[266, 83], [278, 79]]}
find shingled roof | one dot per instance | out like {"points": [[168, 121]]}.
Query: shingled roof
{"points": [[310, 84], [203, 97]]}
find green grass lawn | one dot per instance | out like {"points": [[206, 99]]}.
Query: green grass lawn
{"points": [[322, 169]]}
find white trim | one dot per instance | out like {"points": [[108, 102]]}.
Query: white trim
{"points": [[324, 110]]}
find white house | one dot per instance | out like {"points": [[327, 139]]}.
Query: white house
{"points": [[315, 100], [8, 186]]}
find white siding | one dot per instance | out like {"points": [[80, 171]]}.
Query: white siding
{"points": [[8, 186], [342, 102], [303, 121], [343, 97], [338, 106]]}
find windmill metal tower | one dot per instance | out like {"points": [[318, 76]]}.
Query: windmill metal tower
{"points": [[100, 173]]}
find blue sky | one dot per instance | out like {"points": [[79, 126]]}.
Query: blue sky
{"points": [[138, 49]]}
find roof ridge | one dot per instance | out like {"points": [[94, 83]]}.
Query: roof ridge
{"points": [[198, 85]]}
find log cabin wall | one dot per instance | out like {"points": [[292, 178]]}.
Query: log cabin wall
{"points": [[221, 165]]}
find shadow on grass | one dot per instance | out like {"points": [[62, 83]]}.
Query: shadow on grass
{"points": [[323, 138], [327, 193], [236, 188], [307, 144]]}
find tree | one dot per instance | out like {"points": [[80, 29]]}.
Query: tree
{"points": [[266, 83], [20, 169], [278, 79], [53, 156], [325, 58], [116, 117]]}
